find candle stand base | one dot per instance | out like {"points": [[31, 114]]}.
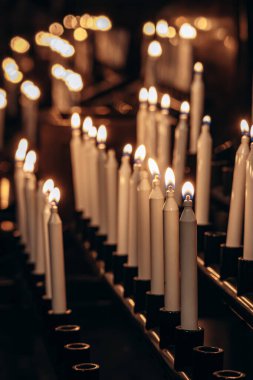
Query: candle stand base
{"points": [[245, 276], [100, 239], [65, 334], [54, 319], [185, 341], [206, 360], [154, 302], [118, 262], [128, 277], [168, 321], [85, 371], [108, 251], [227, 374], [201, 229], [141, 287], [229, 261], [74, 353], [212, 243]]}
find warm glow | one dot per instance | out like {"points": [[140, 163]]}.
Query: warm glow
{"points": [[56, 28], [48, 186], [84, 20], [244, 127], [154, 49], [92, 132], [198, 67], [202, 23], [143, 95], [19, 45], [74, 82], [206, 120], [171, 32], [43, 38], [70, 22], [58, 71], [30, 90], [162, 28], [9, 62], [152, 95], [103, 23], [187, 190], [165, 102], [5, 192], [61, 46], [80, 34], [187, 31], [169, 178], [127, 150], [55, 195], [148, 28], [11, 70], [185, 107], [75, 121], [102, 134], [251, 133], [3, 99], [140, 153], [21, 150], [87, 123], [153, 167], [30, 161]]}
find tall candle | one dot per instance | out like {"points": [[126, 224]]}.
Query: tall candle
{"points": [[204, 162], [171, 245], [197, 105], [86, 189], [102, 156], [235, 218], [142, 116], [59, 303], [139, 157], [111, 196], [123, 200], [180, 149], [164, 135], [154, 52], [144, 260], [93, 177], [151, 127], [156, 201], [40, 256], [188, 262], [3, 104], [75, 149], [248, 213]]}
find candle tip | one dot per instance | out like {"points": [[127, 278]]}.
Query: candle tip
{"points": [[153, 167], [140, 154], [188, 190], [206, 120], [155, 49], [187, 31], [102, 134], [92, 132], [143, 95], [30, 90], [3, 98], [75, 121], [54, 196], [21, 150], [198, 68], [87, 123], [30, 161], [127, 150], [162, 28], [244, 127], [148, 28], [170, 179], [48, 186], [185, 107], [152, 95], [165, 102]]}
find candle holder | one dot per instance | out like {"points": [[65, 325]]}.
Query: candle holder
{"points": [[185, 341], [228, 374], [245, 276], [66, 334], [118, 262], [169, 320], [229, 261], [201, 229], [154, 302], [86, 371], [74, 353], [54, 319], [107, 254], [206, 360], [212, 243], [141, 287], [128, 279]]}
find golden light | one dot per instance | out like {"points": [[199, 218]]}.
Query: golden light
{"points": [[48, 186], [92, 132], [9, 62], [87, 123], [198, 67], [70, 22], [171, 32], [251, 133], [75, 120], [55, 195], [187, 31], [148, 28], [244, 127], [152, 95], [11, 70], [170, 178], [206, 119], [188, 190], [162, 28], [153, 167], [43, 38], [30, 161], [103, 23], [185, 107], [80, 34], [84, 20], [102, 134], [143, 95], [127, 150], [202, 23], [74, 82], [155, 49], [21, 150], [5, 192], [14, 76], [58, 71], [19, 44], [165, 102], [3, 99], [140, 153], [56, 28], [30, 90]]}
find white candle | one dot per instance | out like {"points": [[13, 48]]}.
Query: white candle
{"points": [[188, 262], [93, 177], [85, 178], [144, 261], [164, 135], [59, 303], [139, 157], [123, 200], [171, 245], [235, 218], [156, 201], [154, 52], [75, 150], [40, 256], [112, 196], [3, 104], [102, 156], [197, 105], [142, 116], [180, 149], [203, 183], [248, 214], [151, 123]]}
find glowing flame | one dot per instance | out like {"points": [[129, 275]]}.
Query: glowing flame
{"points": [[165, 102], [148, 28], [202, 23], [251, 132], [75, 120], [87, 123], [154, 49], [162, 28], [153, 167], [171, 32], [21, 151], [92, 132], [48, 186], [61, 46], [30, 90], [80, 34], [3, 99], [152, 95], [30, 161], [43, 38], [58, 71], [244, 127], [102, 134], [140, 153], [19, 44], [206, 120], [187, 31], [143, 95], [74, 82], [185, 107], [188, 190], [56, 28], [127, 150], [11, 70], [169, 178], [70, 22], [55, 195], [198, 67], [103, 23]]}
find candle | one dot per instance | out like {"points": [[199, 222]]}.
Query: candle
{"points": [[93, 177], [204, 161], [154, 52], [86, 207], [197, 106], [143, 192], [111, 169], [188, 262], [40, 256], [139, 157], [142, 116], [171, 245], [75, 151], [248, 213], [12, 76], [59, 303], [45, 215], [180, 147], [235, 218], [156, 201], [151, 123], [123, 200], [101, 139], [164, 134], [3, 104], [61, 98]]}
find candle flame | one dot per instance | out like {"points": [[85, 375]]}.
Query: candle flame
{"points": [[21, 150], [143, 95], [152, 95], [75, 120], [153, 167], [11, 70], [187, 31], [244, 127], [171, 32], [55, 195], [169, 178], [74, 81], [19, 44], [148, 28], [43, 38], [162, 28], [140, 153], [56, 28], [206, 120], [102, 134], [165, 102], [3, 99], [87, 123], [251, 133], [58, 71], [70, 21], [30, 90], [61, 46], [80, 34], [187, 190], [92, 132], [127, 150], [185, 107], [30, 161], [154, 49], [48, 186], [198, 67], [102, 23]]}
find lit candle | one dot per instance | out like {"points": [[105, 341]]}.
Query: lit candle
{"points": [[61, 98], [86, 191], [188, 262], [171, 245], [156, 201], [112, 196], [139, 157], [204, 161], [12, 76], [3, 104], [101, 139], [93, 177], [180, 148], [151, 123], [154, 52], [40, 256], [197, 106], [59, 303], [235, 218], [75, 150], [164, 135], [142, 116], [123, 200], [248, 213]]}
